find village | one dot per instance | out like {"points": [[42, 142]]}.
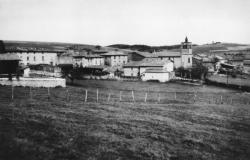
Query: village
{"points": [[120, 64], [124, 80]]}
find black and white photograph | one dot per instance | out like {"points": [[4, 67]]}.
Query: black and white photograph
{"points": [[124, 79]]}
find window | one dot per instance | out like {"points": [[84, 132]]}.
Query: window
{"points": [[34, 58], [188, 60], [42, 58], [28, 58]]}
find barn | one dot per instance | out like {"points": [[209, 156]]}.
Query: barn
{"points": [[9, 64]]}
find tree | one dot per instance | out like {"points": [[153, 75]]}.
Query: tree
{"points": [[98, 47], [69, 72], [199, 72]]}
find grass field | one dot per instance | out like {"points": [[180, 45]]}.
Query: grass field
{"points": [[65, 127]]}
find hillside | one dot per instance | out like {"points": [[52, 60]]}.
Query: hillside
{"points": [[33, 45], [219, 46], [10, 45], [144, 48], [196, 48]]}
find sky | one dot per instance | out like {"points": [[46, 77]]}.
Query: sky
{"points": [[106, 22]]}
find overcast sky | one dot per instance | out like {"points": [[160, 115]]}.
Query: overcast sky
{"points": [[105, 22]]}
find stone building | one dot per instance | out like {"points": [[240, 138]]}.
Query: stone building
{"points": [[35, 57], [115, 58]]}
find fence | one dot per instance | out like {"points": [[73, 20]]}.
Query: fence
{"points": [[100, 95]]}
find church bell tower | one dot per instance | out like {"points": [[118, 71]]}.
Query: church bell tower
{"points": [[186, 54]]}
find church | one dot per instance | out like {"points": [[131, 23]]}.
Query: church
{"points": [[183, 58]]}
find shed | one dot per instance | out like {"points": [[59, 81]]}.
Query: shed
{"points": [[9, 63]]}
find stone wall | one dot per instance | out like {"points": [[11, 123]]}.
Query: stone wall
{"points": [[35, 82]]}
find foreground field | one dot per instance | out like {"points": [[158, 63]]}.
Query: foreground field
{"points": [[69, 128]]}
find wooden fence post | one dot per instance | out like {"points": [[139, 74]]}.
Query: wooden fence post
{"points": [[97, 95], [159, 97], [120, 96], [194, 96], [48, 94], [133, 96], [67, 96], [30, 93], [108, 97], [146, 95], [12, 92], [86, 95]]}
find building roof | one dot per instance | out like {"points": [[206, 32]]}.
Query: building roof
{"points": [[246, 62], [96, 66], [99, 51], [33, 50], [85, 55], [167, 53], [147, 63], [114, 53], [9, 57], [155, 71], [219, 50], [220, 58], [143, 54], [247, 57]]}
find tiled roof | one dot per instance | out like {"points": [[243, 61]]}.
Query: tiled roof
{"points": [[144, 54], [96, 66], [86, 55], [34, 50], [114, 53], [155, 71], [247, 56], [167, 54], [246, 62], [8, 57], [99, 51], [146, 63]]}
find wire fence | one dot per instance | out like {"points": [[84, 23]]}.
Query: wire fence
{"points": [[101, 95], [13, 100]]}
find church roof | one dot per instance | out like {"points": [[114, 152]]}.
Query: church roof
{"points": [[167, 54], [147, 63], [9, 57]]}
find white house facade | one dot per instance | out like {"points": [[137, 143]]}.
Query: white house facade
{"points": [[160, 75], [88, 60], [137, 68], [115, 58], [37, 57]]}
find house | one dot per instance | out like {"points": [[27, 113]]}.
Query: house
{"points": [[34, 57], [206, 61], [83, 59], [246, 65], [115, 58], [65, 58], [9, 64], [137, 68], [160, 75]]}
